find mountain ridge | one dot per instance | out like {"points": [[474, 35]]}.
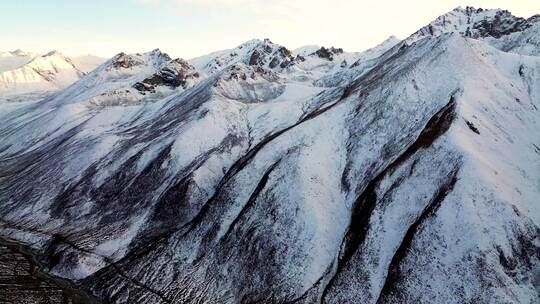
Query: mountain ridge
{"points": [[405, 173]]}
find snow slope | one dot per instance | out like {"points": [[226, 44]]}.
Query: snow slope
{"points": [[263, 175]]}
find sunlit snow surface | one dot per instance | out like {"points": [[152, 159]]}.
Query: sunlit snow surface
{"points": [[26, 76], [409, 173]]}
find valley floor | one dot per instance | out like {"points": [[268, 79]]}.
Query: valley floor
{"points": [[23, 281]]}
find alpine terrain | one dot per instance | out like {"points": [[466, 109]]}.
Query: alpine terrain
{"points": [[408, 173], [26, 75]]}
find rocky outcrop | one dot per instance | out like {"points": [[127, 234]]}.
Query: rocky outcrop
{"points": [[175, 74], [124, 61], [270, 55], [328, 53], [501, 24], [249, 84]]}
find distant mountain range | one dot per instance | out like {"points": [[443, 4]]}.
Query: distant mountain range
{"points": [[26, 74], [407, 173]]}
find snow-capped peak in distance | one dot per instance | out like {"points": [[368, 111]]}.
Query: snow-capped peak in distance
{"points": [[40, 73], [27, 75], [309, 63], [263, 53], [127, 79], [473, 23], [19, 53], [13, 59], [53, 65], [496, 26]]}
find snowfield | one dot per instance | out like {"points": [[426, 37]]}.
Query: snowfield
{"points": [[408, 173]]}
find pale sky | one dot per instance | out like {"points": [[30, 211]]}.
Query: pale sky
{"points": [[189, 28]]}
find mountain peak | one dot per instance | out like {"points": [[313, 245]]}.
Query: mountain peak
{"points": [[474, 23], [270, 54], [154, 58], [253, 42], [534, 18], [19, 52], [263, 53]]}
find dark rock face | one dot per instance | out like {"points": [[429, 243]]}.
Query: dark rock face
{"points": [[273, 63], [324, 53], [328, 53], [284, 52], [124, 61], [143, 87], [472, 127], [274, 56], [175, 74], [255, 58], [504, 23]]}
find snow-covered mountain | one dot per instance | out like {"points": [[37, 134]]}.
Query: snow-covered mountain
{"points": [[406, 173], [497, 27], [129, 79], [29, 75], [308, 63], [14, 59], [262, 53]]}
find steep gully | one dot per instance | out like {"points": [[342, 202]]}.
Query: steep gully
{"points": [[367, 200]]}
